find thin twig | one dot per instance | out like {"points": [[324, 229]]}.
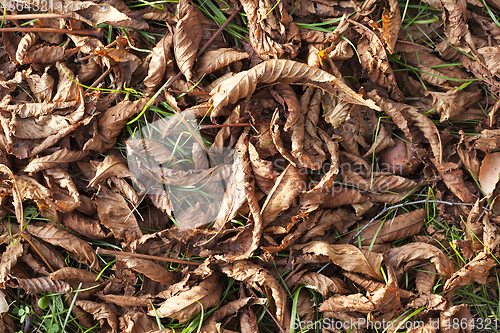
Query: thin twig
{"points": [[145, 256], [99, 79], [33, 16], [91, 32], [36, 250], [269, 312], [236, 125]]}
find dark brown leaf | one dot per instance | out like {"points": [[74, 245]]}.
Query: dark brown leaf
{"points": [[187, 37], [55, 236], [115, 215]]}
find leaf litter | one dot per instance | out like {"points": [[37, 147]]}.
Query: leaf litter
{"points": [[250, 166]]}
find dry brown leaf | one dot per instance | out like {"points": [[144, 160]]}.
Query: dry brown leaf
{"points": [[96, 13], [489, 173], [149, 268], [71, 273], [103, 313], [244, 83], [454, 180], [136, 321], [112, 166], [84, 225], [391, 23], [111, 122], [41, 86], [458, 314], [223, 314], [289, 185], [54, 160], [115, 215], [452, 103], [9, 259], [409, 255], [384, 299], [346, 256], [257, 277], [42, 284], [382, 231], [124, 300], [263, 170], [213, 60], [306, 145], [65, 193], [375, 61], [183, 305], [53, 257], [490, 55], [323, 284], [55, 236], [401, 113], [475, 271], [187, 37], [291, 101], [158, 62]]}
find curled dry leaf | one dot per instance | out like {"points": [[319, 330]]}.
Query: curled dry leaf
{"points": [[115, 215], [101, 312], [66, 195], [401, 113], [375, 61], [306, 145], [111, 122], [453, 103], [95, 13], [158, 62], [244, 83], [258, 277], [289, 185], [149, 268], [54, 160], [136, 321], [346, 256], [409, 255], [213, 60], [384, 299], [112, 166], [183, 305], [55, 236], [9, 259], [187, 37], [323, 284], [216, 322], [475, 271], [391, 23]]}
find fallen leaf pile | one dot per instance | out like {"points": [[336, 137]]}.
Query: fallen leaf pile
{"points": [[315, 162]]}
